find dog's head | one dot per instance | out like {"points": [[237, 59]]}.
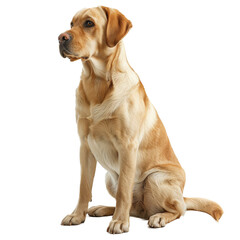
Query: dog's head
{"points": [[92, 32]]}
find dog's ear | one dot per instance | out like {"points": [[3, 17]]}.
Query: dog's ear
{"points": [[117, 26]]}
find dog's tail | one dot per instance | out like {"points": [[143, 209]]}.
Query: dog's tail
{"points": [[204, 205]]}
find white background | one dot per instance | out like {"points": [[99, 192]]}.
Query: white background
{"points": [[187, 54]]}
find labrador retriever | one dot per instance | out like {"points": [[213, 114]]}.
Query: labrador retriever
{"points": [[119, 128]]}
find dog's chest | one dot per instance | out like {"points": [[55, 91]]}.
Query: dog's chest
{"points": [[104, 151]]}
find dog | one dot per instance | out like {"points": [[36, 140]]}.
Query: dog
{"points": [[119, 128]]}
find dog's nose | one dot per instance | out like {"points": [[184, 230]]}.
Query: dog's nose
{"points": [[64, 37]]}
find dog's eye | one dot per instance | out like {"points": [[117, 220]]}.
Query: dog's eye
{"points": [[88, 24], [71, 24]]}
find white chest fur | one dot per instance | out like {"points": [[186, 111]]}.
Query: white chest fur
{"points": [[104, 152]]}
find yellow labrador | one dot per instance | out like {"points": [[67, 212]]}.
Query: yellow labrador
{"points": [[119, 127]]}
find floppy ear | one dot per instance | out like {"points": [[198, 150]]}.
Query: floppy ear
{"points": [[117, 26]]}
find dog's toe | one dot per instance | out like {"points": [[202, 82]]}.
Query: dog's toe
{"points": [[156, 221], [73, 219]]}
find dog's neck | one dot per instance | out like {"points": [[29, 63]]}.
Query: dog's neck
{"points": [[105, 64], [100, 79]]}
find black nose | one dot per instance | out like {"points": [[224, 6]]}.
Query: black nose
{"points": [[64, 37]]}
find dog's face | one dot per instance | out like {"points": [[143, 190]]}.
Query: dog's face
{"points": [[92, 32]]}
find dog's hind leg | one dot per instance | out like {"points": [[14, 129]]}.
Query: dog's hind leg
{"points": [[163, 199], [100, 211]]}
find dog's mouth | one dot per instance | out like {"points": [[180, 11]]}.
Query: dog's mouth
{"points": [[73, 57]]}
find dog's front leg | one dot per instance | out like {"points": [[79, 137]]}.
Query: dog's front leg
{"points": [[120, 220], [88, 167]]}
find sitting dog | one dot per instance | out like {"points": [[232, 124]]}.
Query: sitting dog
{"points": [[120, 129]]}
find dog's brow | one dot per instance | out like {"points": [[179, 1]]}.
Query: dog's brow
{"points": [[88, 16]]}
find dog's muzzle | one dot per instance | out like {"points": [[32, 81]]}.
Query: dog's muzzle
{"points": [[64, 40]]}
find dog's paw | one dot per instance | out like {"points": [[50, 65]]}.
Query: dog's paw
{"points": [[73, 219], [118, 226], [100, 211], [156, 221]]}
